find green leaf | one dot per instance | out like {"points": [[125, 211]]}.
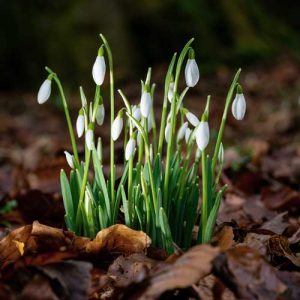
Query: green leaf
{"points": [[211, 221], [166, 232]]}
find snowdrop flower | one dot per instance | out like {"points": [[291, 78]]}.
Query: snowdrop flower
{"points": [[80, 123], [187, 134], [99, 67], [167, 132], [70, 159], [99, 149], [192, 119], [100, 114], [202, 135], [191, 70], [136, 112], [44, 91], [171, 92], [181, 131], [89, 138], [238, 107], [130, 148], [117, 127], [221, 154], [198, 154], [145, 103]]}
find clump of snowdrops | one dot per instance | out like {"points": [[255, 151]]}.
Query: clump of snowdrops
{"points": [[160, 191]]}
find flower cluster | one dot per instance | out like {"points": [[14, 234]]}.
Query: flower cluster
{"points": [[159, 196]]}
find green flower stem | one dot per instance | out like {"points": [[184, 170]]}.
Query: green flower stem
{"points": [[112, 117], [165, 105], [223, 122], [141, 146], [88, 156], [67, 113], [173, 125], [204, 207]]}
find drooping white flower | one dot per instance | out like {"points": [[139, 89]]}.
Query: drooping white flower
{"points": [[136, 112], [89, 138], [99, 69], [198, 154], [99, 149], [145, 104], [191, 73], [187, 135], [192, 119], [80, 124], [181, 131], [116, 127], [221, 153], [238, 107], [130, 148], [44, 91], [100, 114], [171, 92], [167, 132], [202, 135], [70, 159]]}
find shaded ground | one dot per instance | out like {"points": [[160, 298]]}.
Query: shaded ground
{"points": [[258, 226]]}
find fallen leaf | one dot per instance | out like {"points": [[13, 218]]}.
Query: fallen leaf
{"points": [[277, 224], [278, 245], [20, 246], [247, 274], [186, 271], [225, 238]]}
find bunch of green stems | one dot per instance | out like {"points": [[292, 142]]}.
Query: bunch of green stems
{"points": [[160, 191]]}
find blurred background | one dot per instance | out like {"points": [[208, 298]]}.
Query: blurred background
{"points": [[64, 35], [262, 37]]}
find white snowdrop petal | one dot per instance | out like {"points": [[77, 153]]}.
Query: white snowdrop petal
{"points": [[181, 131], [191, 73], [100, 114], [192, 119], [202, 135], [80, 125], [99, 69], [136, 112], [130, 147], [89, 139], [171, 92], [116, 128], [188, 132], [44, 91], [238, 107], [70, 159], [167, 132], [145, 104]]}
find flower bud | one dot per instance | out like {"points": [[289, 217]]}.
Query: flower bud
{"points": [[149, 124], [117, 127], [70, 159], [187, 135], [191, 70], [44, 91], [130, 148], [89, 138], [80, 123], [100, 114], [238, 107], [145, 104], [221, 154], [202, 135], [99, 68], [171, 92], [167, 132], [192, 119], [136, 112], [181, 131]]}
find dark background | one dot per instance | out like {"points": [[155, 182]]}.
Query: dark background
{"points": [[64, 36]]}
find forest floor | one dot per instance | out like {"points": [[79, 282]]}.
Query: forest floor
{"points": [[255, 250]]}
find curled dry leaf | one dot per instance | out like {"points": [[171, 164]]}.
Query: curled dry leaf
{"points": [[184, 273], [278, 245], [41, 238]]}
